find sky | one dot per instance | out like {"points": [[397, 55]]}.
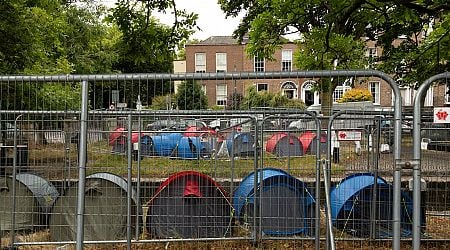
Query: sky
{"points": [[211, 20]]}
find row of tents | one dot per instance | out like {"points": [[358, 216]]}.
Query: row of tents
{"points": [[190, 204], [191, 145]]}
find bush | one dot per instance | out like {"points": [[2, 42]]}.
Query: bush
{"points": [[356, 95]]}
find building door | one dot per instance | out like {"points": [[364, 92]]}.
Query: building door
{"points": [[309, 97], [289, 89]]}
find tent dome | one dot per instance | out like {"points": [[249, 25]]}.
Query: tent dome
{"points": [[283, 144], [105, 214], [352, 201], [35, 197], [189, 204], [287, 207]]}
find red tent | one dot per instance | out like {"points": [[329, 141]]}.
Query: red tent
{"points": [[119, 136], [282, 144], [193, 131], [307, 138], [115, 135]]}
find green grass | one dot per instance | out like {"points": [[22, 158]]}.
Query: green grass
{"points": [[100, 159]]}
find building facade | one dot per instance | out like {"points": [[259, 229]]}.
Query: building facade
{"points": [[225, 54]]}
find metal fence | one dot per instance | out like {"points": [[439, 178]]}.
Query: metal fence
{"points": [[94, 175]]}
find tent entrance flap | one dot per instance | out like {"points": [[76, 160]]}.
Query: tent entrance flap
{"points": [[192, 189]]}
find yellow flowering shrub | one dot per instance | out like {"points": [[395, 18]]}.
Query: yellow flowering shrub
{"points": [[356, 95]]}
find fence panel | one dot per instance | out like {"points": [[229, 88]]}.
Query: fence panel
{"points": [[151, 176]]}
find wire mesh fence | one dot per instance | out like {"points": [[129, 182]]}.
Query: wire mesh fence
{"points": [[132, 168]]}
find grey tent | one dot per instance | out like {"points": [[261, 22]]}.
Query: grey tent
{"points": [[189, 204], [284, 145], [105, 216], [34, 199], [242, 144]]}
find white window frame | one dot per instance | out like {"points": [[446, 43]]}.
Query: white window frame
{"points": [[405, 92], [339, 91], [308, 86], [372, 52], [204, 88], [447, 96], [221, 94], [200, 62], [259, 64], [266, 88], [286, 60], [221, 62], [374, 88]]}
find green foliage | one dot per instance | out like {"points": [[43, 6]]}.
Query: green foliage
{"points": [[146, 44], [343, 52], [234, 101], [356, 95], [255, 99], [190, 96], [163, 102], [295, 104], [57, 96]]}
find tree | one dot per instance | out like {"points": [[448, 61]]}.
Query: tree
{"points": [[146, 45], [234, 101], [384, 21], [190, 96], [412, 62]]}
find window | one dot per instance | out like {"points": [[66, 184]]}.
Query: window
{"points": [[259, 64], [200, 62], [374, 88], [221, 62], [447, 94], [339, 92], [371, 52], [286, 60], [406, 93], [204, 88], [262, 86], [221, 94]]}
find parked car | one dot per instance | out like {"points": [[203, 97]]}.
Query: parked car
{"points": [[161, 124], [7, 130], [175, 125]]}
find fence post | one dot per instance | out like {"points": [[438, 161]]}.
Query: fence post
{"points": [[82, 164], [418, 100]]}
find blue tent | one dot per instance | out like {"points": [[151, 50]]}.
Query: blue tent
{"points": [[242, 143], [352, 201], [287, 207], [164, 144], [192, 148]]}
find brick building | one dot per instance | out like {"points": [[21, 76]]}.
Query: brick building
{"points": [[225, 54]]}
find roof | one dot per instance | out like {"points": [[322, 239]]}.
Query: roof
{"points": [[216, 40]]}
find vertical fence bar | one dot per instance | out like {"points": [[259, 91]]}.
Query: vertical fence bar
{"points": [[13, 218], [129, 180], [138, 181], [82, 163], [418, 101], [258, 179]]}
